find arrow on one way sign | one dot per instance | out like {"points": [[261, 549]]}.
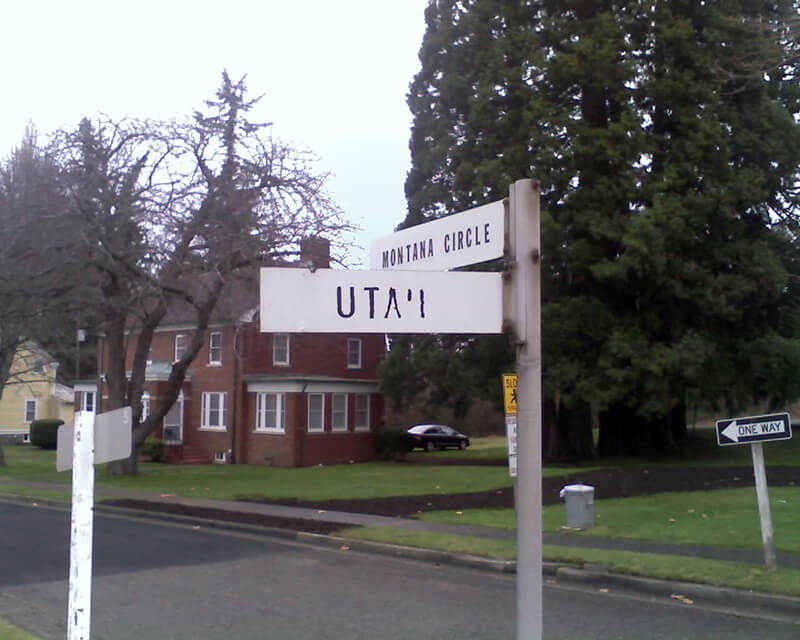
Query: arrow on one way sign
{"points": [[754, 429]]}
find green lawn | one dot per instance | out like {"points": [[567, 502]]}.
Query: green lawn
{"points": [[10, 632], [727, 518], [363, 480]]}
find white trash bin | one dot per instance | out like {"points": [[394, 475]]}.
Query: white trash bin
{"points": [[579, 500]]}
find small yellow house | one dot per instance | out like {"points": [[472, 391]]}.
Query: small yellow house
{"points": [[32, 392]]}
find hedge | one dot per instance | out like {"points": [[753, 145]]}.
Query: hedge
{"points": [[44, 433]]}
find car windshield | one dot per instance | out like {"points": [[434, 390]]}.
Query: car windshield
{"points": [[425, 428]]}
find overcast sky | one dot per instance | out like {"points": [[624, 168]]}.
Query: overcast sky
{"points": [[334, 75]]}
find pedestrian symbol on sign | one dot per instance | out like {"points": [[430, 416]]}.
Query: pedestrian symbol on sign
{"points": [[510, 393]]}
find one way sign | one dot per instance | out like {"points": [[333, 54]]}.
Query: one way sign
{"points": [[777, 426]]}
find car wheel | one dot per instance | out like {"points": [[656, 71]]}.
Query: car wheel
{"points": [[462, 445], [429, 446]]}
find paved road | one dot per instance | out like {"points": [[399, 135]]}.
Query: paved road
{"points": [[154, 581]]}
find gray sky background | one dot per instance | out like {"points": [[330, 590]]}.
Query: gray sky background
{"points": [[334, 76]]}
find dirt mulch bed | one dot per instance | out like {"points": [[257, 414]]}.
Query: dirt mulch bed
{"points": [[608, 483]]}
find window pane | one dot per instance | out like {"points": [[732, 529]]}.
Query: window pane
{"points": [[215, 347], [280, 349], [270, 412], [30, 410], [362, 411], [315, 411], [353, 352], [180, 346], [339, 411]]}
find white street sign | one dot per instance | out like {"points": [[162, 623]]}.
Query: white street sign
{"points": [[338, 301], [511, 436], [776, 426], [113, 439], [469, 237]]}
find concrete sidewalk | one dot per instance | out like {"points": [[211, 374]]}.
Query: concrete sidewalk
{"points": [[785, 560]]}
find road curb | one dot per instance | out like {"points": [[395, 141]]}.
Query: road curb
{"points": [[415, 553], [780, 607]]}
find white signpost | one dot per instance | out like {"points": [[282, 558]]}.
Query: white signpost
{"points": [[469, 237], [94, 439], [333, 301], [754, 430], [394, 298]]}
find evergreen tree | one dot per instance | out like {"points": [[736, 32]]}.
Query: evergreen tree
{"points": [[666, 140]]}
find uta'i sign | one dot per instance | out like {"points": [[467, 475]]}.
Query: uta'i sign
{"points": [[338, 301]]}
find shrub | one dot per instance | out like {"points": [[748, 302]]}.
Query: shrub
{"points": [[153, 448], [44, 433], [391, 444]]}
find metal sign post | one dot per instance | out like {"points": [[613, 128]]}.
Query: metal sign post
{"points": [[754, 430], [79, 609], [524, 220], [93, 439], [392, 298]]}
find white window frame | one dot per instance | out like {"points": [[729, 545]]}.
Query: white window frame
{"points": [[145, 406], [316, 428], [357, 425], [215, 361], [206, 411], [180, 346], [84, 401], [338, 415], [35, 410], [353, 362], [276, 360], [178, 405], [262, 412]]}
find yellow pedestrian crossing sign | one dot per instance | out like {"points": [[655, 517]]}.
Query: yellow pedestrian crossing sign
{"points": [[510, 393]]}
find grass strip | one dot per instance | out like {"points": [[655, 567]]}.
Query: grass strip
{"points": [[9, 632], [34, 493], [486, 547], [736, 575]]}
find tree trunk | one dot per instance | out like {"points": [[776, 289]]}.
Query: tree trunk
{"points": [[126, 466], [622, 432], [570, 434], [2, 457]]}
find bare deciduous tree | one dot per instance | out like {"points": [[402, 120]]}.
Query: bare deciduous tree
{"points": [[170, 214]]}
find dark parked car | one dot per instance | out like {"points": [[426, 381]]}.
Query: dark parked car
{"points": [[435, 436]]}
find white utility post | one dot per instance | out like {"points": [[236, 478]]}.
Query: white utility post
{"points": [[767, 533], [524, 236], [79, 610], [93, 439]]}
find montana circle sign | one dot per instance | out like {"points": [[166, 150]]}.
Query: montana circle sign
{"points": [[776, 426], [461, 239]]}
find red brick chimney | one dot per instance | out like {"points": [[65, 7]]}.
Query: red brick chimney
{"points": [[315, 252]]}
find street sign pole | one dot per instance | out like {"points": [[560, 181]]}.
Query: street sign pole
{"points": [[92, 439], [767, 534], [79, 609], [524, 223], [755, 430]]}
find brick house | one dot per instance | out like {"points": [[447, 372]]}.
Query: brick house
{"points": [[255, 398]]}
